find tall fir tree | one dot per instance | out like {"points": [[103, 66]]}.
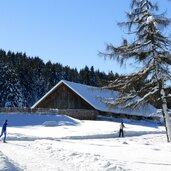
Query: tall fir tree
{"points": [[10, 90], [150, 49]]}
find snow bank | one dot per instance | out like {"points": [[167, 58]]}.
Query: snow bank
{"points": [[38, 119], [5, 164]]}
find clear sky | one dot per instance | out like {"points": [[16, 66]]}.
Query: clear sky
{"points": [[70, 32]]}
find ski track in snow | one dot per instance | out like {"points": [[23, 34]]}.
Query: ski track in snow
{"points": [[29, 159], [83, 155], [55, 158]]}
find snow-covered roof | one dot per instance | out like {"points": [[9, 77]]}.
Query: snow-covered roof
{"points": [[94, 96]]}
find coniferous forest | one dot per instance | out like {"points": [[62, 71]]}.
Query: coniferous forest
{"points": [[24, 79]]}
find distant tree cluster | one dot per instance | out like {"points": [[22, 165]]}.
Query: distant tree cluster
{"points": [[24, 80]]}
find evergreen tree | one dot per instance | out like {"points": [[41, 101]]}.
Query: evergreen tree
{"points": [[151, 51], [84, 75], [92, 75], [38, 79], [25, 76], [10, 91]]}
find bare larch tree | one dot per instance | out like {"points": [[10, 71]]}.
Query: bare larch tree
{"points": [[150, 50]]}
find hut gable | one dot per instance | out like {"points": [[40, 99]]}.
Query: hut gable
{"points": [[62, 97], [70, 95]]}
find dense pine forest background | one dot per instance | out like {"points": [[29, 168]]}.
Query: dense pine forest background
{"points": [[24, 79]]}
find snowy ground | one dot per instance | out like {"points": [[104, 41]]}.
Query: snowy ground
{"points": [[66, 144]]}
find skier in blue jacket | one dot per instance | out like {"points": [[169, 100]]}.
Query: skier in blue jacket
{"points": [[4, 130]]}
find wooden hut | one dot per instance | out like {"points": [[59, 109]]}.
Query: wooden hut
{"points": [[72, 96]]}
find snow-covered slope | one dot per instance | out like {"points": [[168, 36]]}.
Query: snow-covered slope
{"points": [[83, 145]]}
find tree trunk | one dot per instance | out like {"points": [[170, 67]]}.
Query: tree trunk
{"points": [[165, 115]]}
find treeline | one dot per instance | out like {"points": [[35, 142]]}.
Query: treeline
{"points": [[24, 79]]}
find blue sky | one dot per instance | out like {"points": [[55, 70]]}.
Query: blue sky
{"points": [[70, 32]]}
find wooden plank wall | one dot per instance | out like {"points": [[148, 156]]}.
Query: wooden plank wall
{"points": [[64, 98]]}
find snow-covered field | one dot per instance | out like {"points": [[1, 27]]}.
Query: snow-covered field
{"points": [[61, 143]]}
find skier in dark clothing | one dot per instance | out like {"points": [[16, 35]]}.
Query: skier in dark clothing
{"points": [[4, 129], [121, 132]]}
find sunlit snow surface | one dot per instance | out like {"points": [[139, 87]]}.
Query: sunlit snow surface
{"points": [[61, 143]]}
